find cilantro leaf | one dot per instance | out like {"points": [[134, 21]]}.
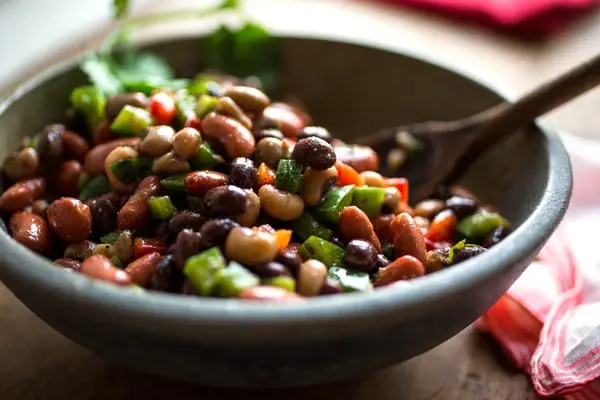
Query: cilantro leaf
{"points": [[120, 8], [99, 71], [229, 5]]}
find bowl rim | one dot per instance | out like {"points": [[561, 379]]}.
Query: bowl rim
{"points": [[336, 313]]}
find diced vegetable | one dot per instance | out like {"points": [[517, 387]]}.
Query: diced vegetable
{"points": [[203, 84], [202, 269], [307, 226], [131, 121], [99, 185], [143, 246], [349, 280], [333, 204], [388, 251], [348, 175], [185, 105], [175, 183], [161, 207], [230, 281], [116, 262], [84, 179], [89, 101], [205, 158], [151, 83], [322, 250], [127, 171], [289, 174], [162, 108], [369, 199], [285, 282], [481, 223], [110, 238], [266, 176], [443, 227], [283, 237], [205, 104], [402, 185]]}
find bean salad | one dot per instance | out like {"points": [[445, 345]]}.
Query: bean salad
{"points": [[217, 191]]}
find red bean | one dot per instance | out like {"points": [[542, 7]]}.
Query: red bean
{"points": [[135, 214], [403, 268], [140, 271], [22, 194], [100, 267], [31, 231], [70, 219]]}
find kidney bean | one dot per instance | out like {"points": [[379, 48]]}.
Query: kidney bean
{"points": [[442, 227], [360, 255], [95, 158], [135, 214], [494, 237], [243, 173], [271, 270], [21, 165], [314, 153], [68, 263], [228, 107], [225, 201], [285, 118], [187, 244], [166, 277], [407, 237], [100, 267], [67, 178], [102, 133], [200, 182], [461, 206], [70, 219], [381, 223], [80, 251], [31, 231], [74, 146], [248, 98], [22, 194], [50, 145], [115, 103], [268, 293], [141, 270], [215, 231], [428, 208], [361, 158], [403, 268], [235, 137], [354, 224]]}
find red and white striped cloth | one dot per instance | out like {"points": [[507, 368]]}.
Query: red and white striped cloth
{"points": [[549, 321]]}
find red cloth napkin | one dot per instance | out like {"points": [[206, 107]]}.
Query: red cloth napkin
{"points": [[535, 18], [548, 322]]}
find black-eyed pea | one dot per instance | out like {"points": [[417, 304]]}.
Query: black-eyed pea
{"points": [[123, 247], [120, 153], [315, 184], [252, 211], [158, 141], [373, 178], [248, 98], [278, 204], [391, 199], [428, 208], [251, 247], [186, 142], [104, 249], [21, 165], [226, 106], [80, 250], [169, 164], [311, 277]]}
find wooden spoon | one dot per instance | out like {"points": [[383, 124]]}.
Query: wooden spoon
{"points": [[448, 149]]}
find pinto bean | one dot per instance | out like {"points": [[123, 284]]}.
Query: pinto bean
{"points": [[31, 231], [22, 194], [407, 237], [100, 267], [140, 271]]}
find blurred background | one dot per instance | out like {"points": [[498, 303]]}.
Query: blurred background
{"points": [[35, 33]]}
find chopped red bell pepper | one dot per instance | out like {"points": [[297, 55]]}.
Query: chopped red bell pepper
{"points": [[193, 122], [443, 227], [401, 184], [143, 246], [162, 108]]}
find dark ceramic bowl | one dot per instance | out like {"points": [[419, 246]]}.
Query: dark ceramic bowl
{"points": [[352, 89]]}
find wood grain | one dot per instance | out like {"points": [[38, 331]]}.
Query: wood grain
{"points": [[38, 363]]}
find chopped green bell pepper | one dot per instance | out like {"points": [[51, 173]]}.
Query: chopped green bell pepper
{"points": [[306, 226], [289, 174], [185, 104], [205, 104], [111, 237], [322, 250], [333, 204], [174, 183], [350, 280], [131, 121], [99, 185], [481, 223], [233, 279], [128, 171], [369, 199], [205, 158], [285, 282], [89, 101], [202, 270], [161, 207]]}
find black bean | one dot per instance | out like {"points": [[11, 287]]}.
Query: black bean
{"points": [[494, 237], [75, 121], [271, 270], [470, 250], [104, 214], [185, 220], [161, 231], [315, 153], [166, 277], [215, 231], [187, 244], [50, 145], [461, 206], [196, 204], [315, 131], [331, 286], [225, 201], [290, 258], [382, 261], [360, 255], [272, 132], [187, 289], [243, 173]]}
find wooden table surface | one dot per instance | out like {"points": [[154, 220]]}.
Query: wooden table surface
{"points": [[38, 363]]}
